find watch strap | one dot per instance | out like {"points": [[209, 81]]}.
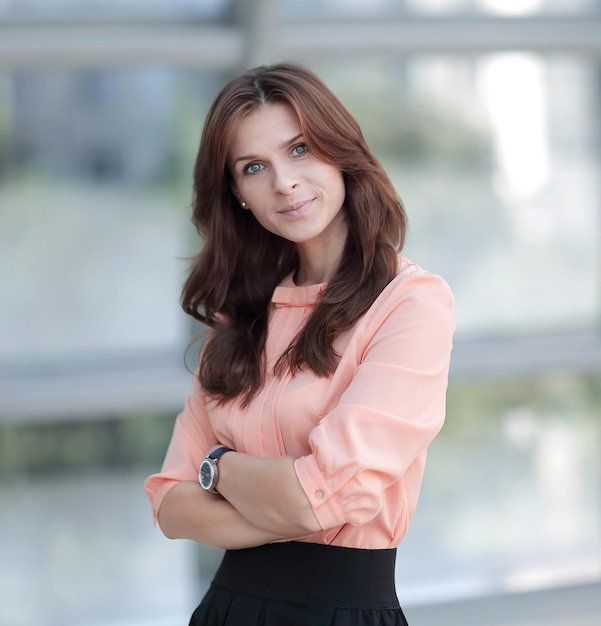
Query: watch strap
{"points": [[217, 452]]}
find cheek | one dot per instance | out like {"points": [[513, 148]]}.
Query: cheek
{"points": [[337, 186], [252, 191], [333, 178]]}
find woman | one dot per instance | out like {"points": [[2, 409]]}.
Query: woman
{"points": [[322, 382]]}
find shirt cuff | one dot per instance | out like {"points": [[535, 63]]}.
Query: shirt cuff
{"points": [[156, 489], [321, 498]]}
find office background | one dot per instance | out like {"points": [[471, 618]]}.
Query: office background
{"points": [[487, 116]]}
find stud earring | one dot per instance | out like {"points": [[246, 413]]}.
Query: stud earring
{"points": [[243, 204]]}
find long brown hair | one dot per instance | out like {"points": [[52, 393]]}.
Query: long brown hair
{"points": [[232, 279]]}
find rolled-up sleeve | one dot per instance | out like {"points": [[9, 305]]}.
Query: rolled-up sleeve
{"points": [[392, 407], [192, 437]]}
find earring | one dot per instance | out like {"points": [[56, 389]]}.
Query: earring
{"points": [[243, 204]]}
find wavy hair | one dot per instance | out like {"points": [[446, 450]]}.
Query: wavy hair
{"points": [[232, 279]]}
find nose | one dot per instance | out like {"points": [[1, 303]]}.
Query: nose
{"points": [[285, 178]]}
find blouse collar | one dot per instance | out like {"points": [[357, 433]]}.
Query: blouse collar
{"points": [[289, 294]]}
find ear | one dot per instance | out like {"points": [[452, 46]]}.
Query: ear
{"points": [[237, 194], [238, 197]]}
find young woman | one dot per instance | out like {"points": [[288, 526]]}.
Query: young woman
{"points": [[322, 381]]}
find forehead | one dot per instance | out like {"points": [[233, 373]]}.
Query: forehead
{"points": [[265, 129]]}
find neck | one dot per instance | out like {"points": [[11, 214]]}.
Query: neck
{"points": [[313, 276], [317, 268], [320, 257]]}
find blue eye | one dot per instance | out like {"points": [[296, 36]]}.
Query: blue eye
{"points": [[300, 149], [253, 168]]}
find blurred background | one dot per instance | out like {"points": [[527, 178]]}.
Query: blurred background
{"points": [[487, 116]]}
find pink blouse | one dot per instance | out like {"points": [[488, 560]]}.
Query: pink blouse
{"points": [[360, 436]]}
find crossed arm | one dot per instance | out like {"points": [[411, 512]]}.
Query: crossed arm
{"points": [[262, 502]]}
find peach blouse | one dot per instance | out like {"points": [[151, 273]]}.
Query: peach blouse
{"points": [[360, 436]]}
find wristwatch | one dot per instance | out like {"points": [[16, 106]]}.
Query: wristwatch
{"points": [[208, 474]]}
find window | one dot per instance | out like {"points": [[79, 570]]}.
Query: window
{"points": [[94, 169], [486, 116]]}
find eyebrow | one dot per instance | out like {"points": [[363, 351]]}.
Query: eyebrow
{"points": [[285, 144]]}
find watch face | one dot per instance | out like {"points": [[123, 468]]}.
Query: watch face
{"points": [[205, 474]]}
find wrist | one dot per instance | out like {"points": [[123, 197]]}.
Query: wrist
{"points": [[208, 471]]}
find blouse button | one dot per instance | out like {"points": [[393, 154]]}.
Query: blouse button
{"points": [[319, 493]]}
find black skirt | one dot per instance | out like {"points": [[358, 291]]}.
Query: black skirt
{"points": [[302, 584]]}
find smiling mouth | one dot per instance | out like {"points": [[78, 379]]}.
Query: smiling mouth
{"points": [[297, 208]]}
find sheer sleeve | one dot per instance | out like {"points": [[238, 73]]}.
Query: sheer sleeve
{"points": [[192, 436], [391, 410]]}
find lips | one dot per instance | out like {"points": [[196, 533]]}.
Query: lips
{"points": [[298, 208]]}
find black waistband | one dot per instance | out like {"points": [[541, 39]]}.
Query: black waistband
{"points": [[312, 573]]}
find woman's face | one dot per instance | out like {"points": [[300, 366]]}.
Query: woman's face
{"points": [[290, 192]]}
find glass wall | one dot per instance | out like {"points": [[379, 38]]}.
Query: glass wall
{"points": [[95, 173], [497, 159], [496, 155]]}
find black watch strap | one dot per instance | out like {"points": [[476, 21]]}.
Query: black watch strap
{"points": [[218, 452]]}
